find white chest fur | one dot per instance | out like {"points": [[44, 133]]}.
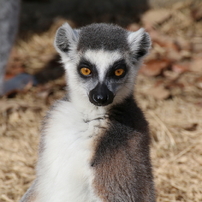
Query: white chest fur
{"points": [[64, 171]]}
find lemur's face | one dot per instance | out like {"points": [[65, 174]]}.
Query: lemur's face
{"points": [[101, 60], [103, 74]]}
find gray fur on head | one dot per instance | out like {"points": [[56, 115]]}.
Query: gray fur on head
{"points": [[102, 36]]}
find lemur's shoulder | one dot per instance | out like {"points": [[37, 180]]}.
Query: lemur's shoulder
{"points": [[128, 113]]}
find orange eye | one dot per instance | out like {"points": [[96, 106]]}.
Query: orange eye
{"points": [[85, 71], [119, 72]]}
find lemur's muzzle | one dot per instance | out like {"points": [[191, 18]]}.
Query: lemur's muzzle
{"points": [[101, 95]]}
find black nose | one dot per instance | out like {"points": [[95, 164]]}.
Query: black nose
{"points": [[101, 95], [100, 98]]}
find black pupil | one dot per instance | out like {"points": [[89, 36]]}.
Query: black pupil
{"points": [[86, 71], [119, 71]]}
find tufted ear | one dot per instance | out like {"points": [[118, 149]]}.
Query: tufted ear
{"points": [[139, 43], [66, 38]]}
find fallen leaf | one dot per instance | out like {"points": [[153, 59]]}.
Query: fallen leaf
{"points": [[164, 41], [197, 47], [185, 54], [159, 92], [174, 85], [197, 14], [157, 16], [180, 68], [175, 88], [183, 44], [154, 67], [196, 65], [199, 82], [171, 75], [173, 55]]}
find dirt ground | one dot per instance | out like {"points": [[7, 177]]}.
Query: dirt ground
{"points": [[170, 96]]}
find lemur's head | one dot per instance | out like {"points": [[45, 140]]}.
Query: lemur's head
{"points": [[101, 61]]}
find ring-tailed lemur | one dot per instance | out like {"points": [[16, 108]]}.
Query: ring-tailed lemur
{"points": [[95, 142]]}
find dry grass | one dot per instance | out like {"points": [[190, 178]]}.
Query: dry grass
{"points": [[175, 123]]}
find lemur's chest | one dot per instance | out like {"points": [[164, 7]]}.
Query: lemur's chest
{"points": [[66, 160]]}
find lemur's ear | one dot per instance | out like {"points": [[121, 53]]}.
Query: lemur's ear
{"points": [[66, 38], [139, 43]]}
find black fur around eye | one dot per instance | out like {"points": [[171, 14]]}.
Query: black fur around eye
{"points": [[118, 70], [86, 69]]}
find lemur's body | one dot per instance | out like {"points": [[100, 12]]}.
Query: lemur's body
{"points": [[95, 142]]}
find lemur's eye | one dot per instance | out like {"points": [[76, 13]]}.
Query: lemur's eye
{"points": [[85, 71], [119, 72]]}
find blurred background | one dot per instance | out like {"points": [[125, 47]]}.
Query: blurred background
{"points": [[169, 87]]}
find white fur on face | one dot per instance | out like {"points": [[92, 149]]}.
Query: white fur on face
{"points": [[78, 91], [103, 60]]}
